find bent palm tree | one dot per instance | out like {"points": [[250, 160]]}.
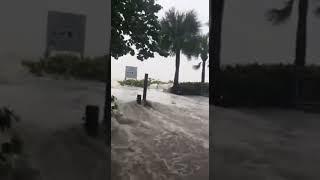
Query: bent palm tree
{"points": [[203, 51], [179, 34]]}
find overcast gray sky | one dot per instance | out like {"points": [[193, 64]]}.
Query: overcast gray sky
{"points": [[164, 68], [247, 37]]}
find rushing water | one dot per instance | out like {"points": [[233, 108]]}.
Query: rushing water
{"points": [[168, 140]]}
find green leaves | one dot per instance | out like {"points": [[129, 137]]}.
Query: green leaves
{"points": [[204, 47], [134, 25], [179, 31]]}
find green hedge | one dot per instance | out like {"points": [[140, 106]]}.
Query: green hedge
{"points": [[139, 83], [133, 82], [265, 85], [192, 88], [70, 66]]}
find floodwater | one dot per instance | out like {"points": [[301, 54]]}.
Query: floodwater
{"points": [[166, 140], [254, 144], [51, 112]]}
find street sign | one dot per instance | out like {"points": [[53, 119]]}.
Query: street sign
{"points": [[131, 72], [65, 32]]}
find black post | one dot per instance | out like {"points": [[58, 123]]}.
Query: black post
{"points": [[145, 86], [92, 120], [139, 99]]}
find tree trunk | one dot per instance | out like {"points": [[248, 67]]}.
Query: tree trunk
{"points": [[301, 36], [176, 75], [203, 71], [216, 18], [301, 46]]}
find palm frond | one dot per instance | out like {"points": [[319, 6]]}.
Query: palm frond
{"points": [[191, 24], [179, 31], [197, 66], [204, 47], [191, 46], [168, 31], [278, 16]]}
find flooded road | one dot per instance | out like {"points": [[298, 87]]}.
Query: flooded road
{"points": [[55, 143], [167, 140]]}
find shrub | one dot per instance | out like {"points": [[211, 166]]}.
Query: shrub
{"points": [[192, 88], [69, 66], [33, 67], [139, 83], [264, 85], [132, 82]]}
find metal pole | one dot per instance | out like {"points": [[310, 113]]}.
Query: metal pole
{"points": [[145, 87]]}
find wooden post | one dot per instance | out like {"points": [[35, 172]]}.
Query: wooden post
{"points": [[139, 99], [145, 86], [92, 120]]}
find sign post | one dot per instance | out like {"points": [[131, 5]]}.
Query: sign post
{"points": [[65, 32], [131, 72]]}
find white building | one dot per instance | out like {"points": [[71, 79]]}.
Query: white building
{"points": [[24, 23]]}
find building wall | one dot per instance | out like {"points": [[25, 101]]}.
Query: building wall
{"points": [[23, 25]]}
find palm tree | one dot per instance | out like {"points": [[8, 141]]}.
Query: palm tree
{"points": [[179, 34], [203, 52], [279, 16]]}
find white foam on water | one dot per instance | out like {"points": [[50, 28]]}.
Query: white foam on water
{"points": [[163, 143]]}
